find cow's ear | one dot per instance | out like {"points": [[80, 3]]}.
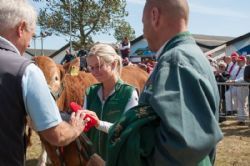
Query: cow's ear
{"points": [[62, 71]]}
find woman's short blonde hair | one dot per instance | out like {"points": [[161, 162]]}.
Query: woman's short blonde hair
{"points": [[106, 54]]}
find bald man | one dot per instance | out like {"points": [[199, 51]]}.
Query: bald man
{"points": [[176, 122]]}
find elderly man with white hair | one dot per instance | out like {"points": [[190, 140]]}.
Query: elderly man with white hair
{"points": [[221, 75], [23, 89]]}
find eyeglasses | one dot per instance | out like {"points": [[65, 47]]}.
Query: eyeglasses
{"points": [[95, 68]]}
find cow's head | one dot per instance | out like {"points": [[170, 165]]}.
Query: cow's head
{"points": [[53, 72], [72, 66]]}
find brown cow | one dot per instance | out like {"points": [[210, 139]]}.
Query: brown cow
{"points": [[74, 88], [131, 74], [63, 86], [67, 66], [134, 76]]}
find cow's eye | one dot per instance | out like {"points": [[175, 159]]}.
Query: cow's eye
{"points": [[56, 78]]}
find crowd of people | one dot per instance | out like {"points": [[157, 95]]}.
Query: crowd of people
{"points": [[234, 98]]}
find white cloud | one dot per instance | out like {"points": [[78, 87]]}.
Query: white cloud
{"points": [[224, 12], [140, 2]]}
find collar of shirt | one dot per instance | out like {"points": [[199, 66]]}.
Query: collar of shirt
{"points": [[158, 53], [100, 94], [116, 87], [12, 45], [174, 39]]}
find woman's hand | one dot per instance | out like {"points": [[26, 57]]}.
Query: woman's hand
{"points": [[93, 115]]}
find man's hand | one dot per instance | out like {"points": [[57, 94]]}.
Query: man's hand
{"points": [[90, 119], [77, 122], [230, 81]]}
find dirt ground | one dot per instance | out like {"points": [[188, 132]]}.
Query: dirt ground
{"points": [[34, 151], [233, 150]]}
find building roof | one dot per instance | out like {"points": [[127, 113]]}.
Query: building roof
{"points": [[205, 42], [60, 50], [238, 39], [66, 46], [211, 40], [29, 52], [34, 52], [231, 42], [136, 40]]}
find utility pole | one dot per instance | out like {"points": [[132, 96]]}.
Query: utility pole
{"points": [[70, 28], [43, 34], [42, 52], [34, 38]]}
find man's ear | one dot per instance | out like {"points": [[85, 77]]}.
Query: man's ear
{"points": [[21, 27], [155, 16]]}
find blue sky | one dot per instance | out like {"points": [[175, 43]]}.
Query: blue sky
{"points": [[209, 17]]}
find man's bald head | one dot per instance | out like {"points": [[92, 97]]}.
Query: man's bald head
{"points": [[164, 19], [172, 9]]}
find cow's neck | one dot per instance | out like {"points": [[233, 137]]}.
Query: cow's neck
{"points": [[61, 101]]}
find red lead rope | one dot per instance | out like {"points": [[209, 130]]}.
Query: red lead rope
{"points": [[91, 122]]}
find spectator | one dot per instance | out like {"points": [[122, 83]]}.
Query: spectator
{"points": [[125, 47], [126, 62], [23, 89], [83, 63], [232, 69], [247, 78], [222, 76], [248, 59], [213, 64], [147, 65], [67, 58], [241, 92], [247, 70], [233, 66], [227, 60], [143, 66], [150, 65], [169, 127]]}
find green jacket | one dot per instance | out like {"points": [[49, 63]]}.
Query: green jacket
{"points": [[111, 111], [182, 96]]}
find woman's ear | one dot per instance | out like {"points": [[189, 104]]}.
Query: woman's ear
{"points": [[113, 65]]}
